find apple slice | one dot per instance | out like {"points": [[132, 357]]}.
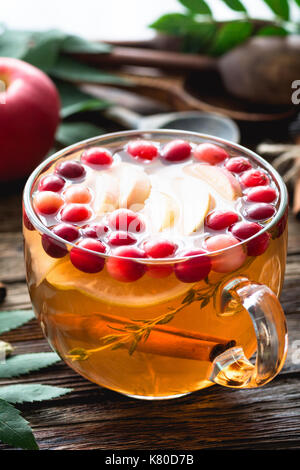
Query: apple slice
{"points": [[106, 193], [134, 185], [161, 210], [220, 179], [195, 202]]}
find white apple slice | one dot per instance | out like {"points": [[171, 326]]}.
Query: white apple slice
{"points": [[195, 202], [134, 185], [220, 179], [106, 193], [161, 210]]}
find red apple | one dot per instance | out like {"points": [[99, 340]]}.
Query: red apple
{"points": [[29, 115]]}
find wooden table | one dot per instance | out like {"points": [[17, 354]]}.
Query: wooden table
{"points": [[94, 418]]}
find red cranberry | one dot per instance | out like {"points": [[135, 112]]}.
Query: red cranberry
{"points": [[210, 153], [142, 149], [260, 211], [51, 183], [53, 248], [47, 202], [121, 238], [280, 226], [70, 169], [254, 178], [94, 230], [177, 151], [66, 231], [228, 260], [126, 270], [75, 213], [97, 156], [85, 261], [27, 222], [159, 248], [245, 230], [238, 164], [194, 269], [258, 245], [126, 220], [219, 220], [262, 194]]}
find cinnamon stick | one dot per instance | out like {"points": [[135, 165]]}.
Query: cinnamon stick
{"points": [[163, 340]]}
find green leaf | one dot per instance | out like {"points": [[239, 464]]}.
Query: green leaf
{"points": [[45, 49], [200, 37], [230, 35], [197, 6], [14, 318], [235, 5], [76, 44], [69, 133], [279, 7], [15, 430], [298, 2], [272, 31], [30, 393], [173, 23], [25, 363], [73, 100], [15, 43], [73, 71]]}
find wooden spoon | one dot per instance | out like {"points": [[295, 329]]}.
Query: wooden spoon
{"points": [[260, 70]]}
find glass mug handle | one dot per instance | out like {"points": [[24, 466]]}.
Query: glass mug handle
{"points": [[232, 368]]}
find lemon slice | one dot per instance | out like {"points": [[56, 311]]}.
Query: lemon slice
{"points": [[101, 287]]}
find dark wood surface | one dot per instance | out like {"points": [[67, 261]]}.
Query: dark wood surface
{"points": [[95, 418]]}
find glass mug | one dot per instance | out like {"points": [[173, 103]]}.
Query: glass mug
{"points": [[161, 338]]}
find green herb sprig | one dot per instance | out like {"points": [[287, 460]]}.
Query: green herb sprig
{"points": [[201, 33]]}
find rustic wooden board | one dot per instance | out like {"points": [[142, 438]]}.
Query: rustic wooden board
{"points": [[94, 418]]}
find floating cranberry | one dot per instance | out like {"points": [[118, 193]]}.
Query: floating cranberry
{"points": [[177, 151], [210, 153], [262, 194], [245, 230], [159, 248], [51, 183], [85, 261], [254, 178], [260, 211], [66, 231], [142, 149], [126, 270], [219, 220], [70, 169], [27, 222], [194, 269], [97, 230], [53, 247], [238, 164], [78, 194], [258, 245], [121, 238], [126, 220], [75, 213], [159, 271], [231, 259], [47, 202], [97, 156]]}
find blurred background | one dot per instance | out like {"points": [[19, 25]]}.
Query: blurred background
{"points": [[113, 20]]}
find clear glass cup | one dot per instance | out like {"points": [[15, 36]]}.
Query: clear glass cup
{"points": [[161, 338]]}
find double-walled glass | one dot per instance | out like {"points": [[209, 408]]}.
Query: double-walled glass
{"points": [[161, 338]]}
